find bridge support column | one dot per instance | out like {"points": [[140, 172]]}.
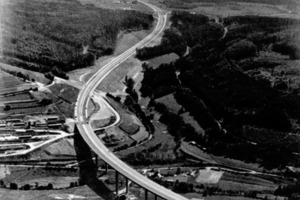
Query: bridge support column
{"points": [[146, 194], [155, 197], [127, 186], [96, 159], [117, 182], [106, 168]]}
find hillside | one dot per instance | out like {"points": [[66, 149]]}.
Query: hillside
{"points": [[59, 36], [239, 81]]}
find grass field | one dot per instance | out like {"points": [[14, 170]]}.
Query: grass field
{"points": [[22, 176], [245, 183], [60, 150], [115, 4], [12, 92], [170, 102], [188, 119], [129, 39], [100, 123], [64, 147], [114, 82], [157, 61], [233, 7], [37, 76], [201, 155], [79, 192], [239, 8]]}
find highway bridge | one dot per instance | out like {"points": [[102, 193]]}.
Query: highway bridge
{"points": [[91, 138]]}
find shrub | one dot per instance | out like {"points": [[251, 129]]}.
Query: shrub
{"points": [[13, 186], [7, 107], [286, 48], [241, 49], [26, 187]]}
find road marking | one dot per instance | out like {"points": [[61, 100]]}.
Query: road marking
{"points": [[83, 75]]}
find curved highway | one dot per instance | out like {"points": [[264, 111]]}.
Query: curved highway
{"points": [[91, 138]]}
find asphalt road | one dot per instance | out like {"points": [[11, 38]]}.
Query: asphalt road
{"points": [[91, 138]]}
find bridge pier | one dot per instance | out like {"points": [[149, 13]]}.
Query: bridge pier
{"points": [[96, 159], [106, 168], [117, 182], [155, 197], [127, 185], [146, 194]]}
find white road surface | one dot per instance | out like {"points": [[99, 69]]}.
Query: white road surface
{"points": [[91, 138]]}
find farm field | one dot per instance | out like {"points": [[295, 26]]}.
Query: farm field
{"points": [[170, 102], [10, 82], [17, 94], [115, 4], [81, 192], [164, 59], [239, 8], [245, 183], [233, 8], [37, 76]]}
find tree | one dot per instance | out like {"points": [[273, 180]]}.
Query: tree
{"points": [[205, 193], [13, 186], [45, 101], [178, 171], [26, 187], [7, 107], [241, 49], [50, 186]]}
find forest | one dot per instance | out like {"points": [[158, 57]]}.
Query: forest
{"points": [[221, 83], [48, 36]]}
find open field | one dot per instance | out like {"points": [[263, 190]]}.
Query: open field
{"points": [[245, 183], [15, 93], [195, 152], [10, 83], [43, 176], [60, 150], [79, 192], [170, 102], [188, 119], [102, 115], [156, 62], [128, 39], [64, 147], [234, 7], [115, 4], [114, 82], [37, 76]]}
